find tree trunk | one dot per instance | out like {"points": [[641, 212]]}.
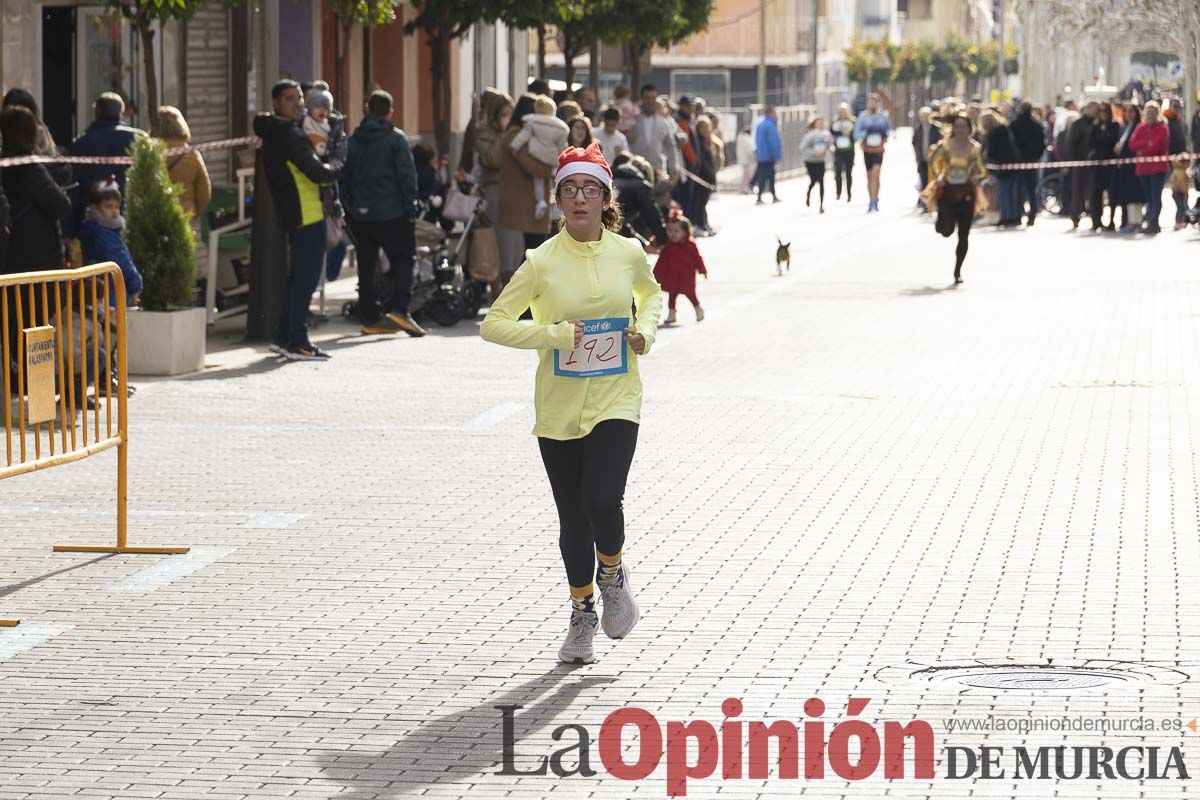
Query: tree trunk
{"points": [[150, 106], [341, 45], [570, 49], [541, 51], [439, 46], [594, 71], [636, 52]]}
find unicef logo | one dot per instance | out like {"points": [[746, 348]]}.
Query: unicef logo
{"points": [[604, 326]]}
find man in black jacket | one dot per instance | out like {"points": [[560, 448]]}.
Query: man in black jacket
{"points": [[925, 136], [379, 191], [294, 174], [1030, 135], [106, 136], [1078, 148], [635, 195]]}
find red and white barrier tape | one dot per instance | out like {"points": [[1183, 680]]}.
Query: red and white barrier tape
{"points": [[694, 178], [1102, 163], [224, 144]]}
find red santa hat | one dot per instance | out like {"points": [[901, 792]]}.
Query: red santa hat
{"points": [[578, 161]]}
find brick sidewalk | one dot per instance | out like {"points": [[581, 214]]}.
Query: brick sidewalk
{"points": [[844, 475]]}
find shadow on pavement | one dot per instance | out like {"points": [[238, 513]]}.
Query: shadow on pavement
{"points": [[12, 588], [459, 746], [929, 291]]}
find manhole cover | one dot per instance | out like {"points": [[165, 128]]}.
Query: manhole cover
{"points": [[981, 677]]}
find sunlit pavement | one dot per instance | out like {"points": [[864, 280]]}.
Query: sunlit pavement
{"points": [[848, 478]]}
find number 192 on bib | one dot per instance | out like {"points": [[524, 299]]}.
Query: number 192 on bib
{"points": [[602, 351]]}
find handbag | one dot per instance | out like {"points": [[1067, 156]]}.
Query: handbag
{"points": [[334, 228], [483, 259], [459, 206]]}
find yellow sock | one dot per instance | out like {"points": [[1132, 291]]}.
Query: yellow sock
{"points": [[608, 567], [583, 598]]}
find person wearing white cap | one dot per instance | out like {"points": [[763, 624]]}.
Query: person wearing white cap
{"points": [[588, 391]]}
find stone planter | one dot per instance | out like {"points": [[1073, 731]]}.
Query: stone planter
{"points": [[166, 342]]}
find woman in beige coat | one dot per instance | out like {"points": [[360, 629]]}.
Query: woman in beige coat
{"points": [[186, 169], [517, 173]]}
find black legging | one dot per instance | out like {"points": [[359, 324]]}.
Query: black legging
{"points": [[588, 478], [816, 177], [700, 196], [843, 164], [956, 209]]}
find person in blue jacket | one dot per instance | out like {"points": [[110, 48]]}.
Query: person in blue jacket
{"points": [[101, 238], [871, 131], [768, 149]]}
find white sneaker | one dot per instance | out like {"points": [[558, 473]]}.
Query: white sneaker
{"points": [[620, 610], [540, 209], [577, 649]]}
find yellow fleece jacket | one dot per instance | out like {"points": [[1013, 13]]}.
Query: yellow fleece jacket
{"points": [[567, 280]]}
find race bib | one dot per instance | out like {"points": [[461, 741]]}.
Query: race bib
{"points": [[874, 140], [843, 142], [820, 147], [956, 176], [602, 351]]}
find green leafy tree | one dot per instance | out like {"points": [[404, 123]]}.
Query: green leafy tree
{"points": [[369, 13], [870, 61], [158, 234], [579, 23], [441, 22], [639, 26], [142, 16], [534, 15], [911, 62]]}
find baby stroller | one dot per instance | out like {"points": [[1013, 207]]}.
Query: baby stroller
{"points": [[437, 283]]}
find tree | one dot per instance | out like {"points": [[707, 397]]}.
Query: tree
{"points": [[159, 236], [533, 15], [142, 16], [638, 26], [579, 22], [369, 13], [443, 21]]}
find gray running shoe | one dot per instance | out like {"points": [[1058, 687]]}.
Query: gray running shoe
{"points": [[577, 649], [620, 610]]}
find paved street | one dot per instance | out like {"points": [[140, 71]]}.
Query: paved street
{"points": [[846, 476]]}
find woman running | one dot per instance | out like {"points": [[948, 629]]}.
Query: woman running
{"points": [[956, 167], [843, 152], [814, 147], [588, 393]]}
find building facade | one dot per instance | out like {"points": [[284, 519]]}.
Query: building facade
{"points": [[218, 67]]}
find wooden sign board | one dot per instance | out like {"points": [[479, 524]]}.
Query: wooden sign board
{"points": [[39, 373]]}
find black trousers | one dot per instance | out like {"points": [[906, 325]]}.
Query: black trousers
{"points": [[956, 210], [397, 238], [1028, 183], [700, 196], [766, 178], [1082, 181], [588, 479], [306, 257], [843, 164], [816, 177]]}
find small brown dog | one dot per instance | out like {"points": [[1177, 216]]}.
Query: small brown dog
{"points": [[783, 258]]}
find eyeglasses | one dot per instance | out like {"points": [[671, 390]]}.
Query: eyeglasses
{"points": [[590, 190]]}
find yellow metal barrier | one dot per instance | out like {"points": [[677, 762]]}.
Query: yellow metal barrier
{"points": [[71, 327]]}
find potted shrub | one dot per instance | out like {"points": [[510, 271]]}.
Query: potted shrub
{"points": [[166, 336]]}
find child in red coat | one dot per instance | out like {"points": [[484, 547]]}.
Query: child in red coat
{"points": [[678, 264]]}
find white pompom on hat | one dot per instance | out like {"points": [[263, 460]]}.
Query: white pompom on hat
{"points": [[578, 161]]}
